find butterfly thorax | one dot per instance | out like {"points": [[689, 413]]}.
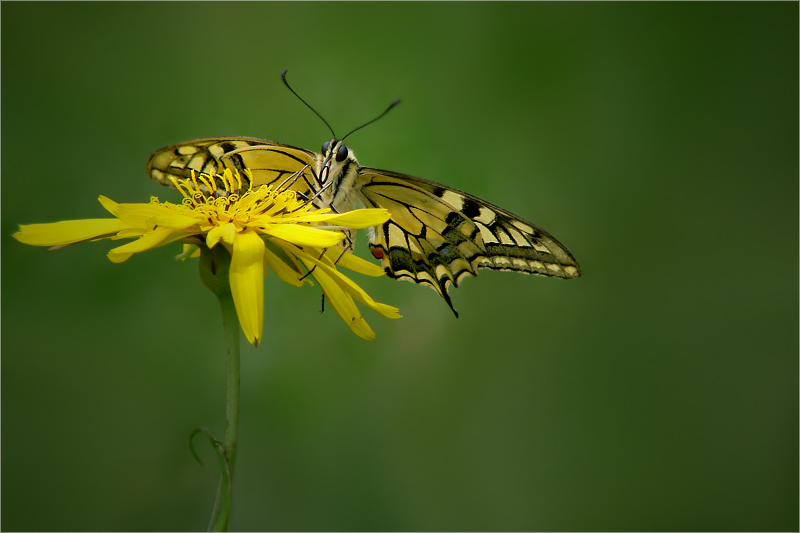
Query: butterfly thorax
{"points": [[337, 171]]}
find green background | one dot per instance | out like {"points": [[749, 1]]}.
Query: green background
{"points": [[659, 142]]}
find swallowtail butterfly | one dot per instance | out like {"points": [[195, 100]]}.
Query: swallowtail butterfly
{"points": [[436, 236]]}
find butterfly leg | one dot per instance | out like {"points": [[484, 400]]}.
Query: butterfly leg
{"points": [[339, 258], [316, 195], [314, 267], [294, 176], [308, 273]]}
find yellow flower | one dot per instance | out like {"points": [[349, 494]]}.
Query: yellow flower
{"points": [[215, 211]]}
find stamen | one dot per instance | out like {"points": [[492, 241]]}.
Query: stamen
{"points": [[211, 188], [180, 186], [224, 179], [194, 179]]}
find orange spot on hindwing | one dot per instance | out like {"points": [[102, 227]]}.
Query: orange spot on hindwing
{"points": [[377, 252]]}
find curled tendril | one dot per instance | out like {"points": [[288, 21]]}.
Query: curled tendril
{"points": [[219, 447], [219, 518]]}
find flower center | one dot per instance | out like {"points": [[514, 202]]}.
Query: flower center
{"points": [[220, 199]]}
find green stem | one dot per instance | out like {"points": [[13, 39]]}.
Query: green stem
{"points": [[230, 321], [214, 271]]}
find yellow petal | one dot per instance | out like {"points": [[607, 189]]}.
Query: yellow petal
{"points": [[226, 233], [353, 262], [130, 233], [109, 204], [284, 271], [175, 221], [343, 304], [148, 241], [303, 235], [247, 283], [68, 231], [357, 219], [136, 215], [318, 215]]}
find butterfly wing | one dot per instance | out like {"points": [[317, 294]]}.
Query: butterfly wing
{"points": [[438, 235], [269, 162]]}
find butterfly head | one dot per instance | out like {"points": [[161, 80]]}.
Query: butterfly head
{"points": [[335, 161], [335, 149]]}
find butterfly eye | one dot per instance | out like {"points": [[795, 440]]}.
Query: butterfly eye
{"points": [[341, 153], [325, 146]]}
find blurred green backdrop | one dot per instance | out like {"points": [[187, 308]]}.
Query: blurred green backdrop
{"points": [[659, 142]]}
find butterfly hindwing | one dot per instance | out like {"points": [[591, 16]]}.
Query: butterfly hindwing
{"points": [[438, 235]]}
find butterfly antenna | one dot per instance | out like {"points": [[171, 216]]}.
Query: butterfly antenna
{"points": [[374, 119], [283, 77]]}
